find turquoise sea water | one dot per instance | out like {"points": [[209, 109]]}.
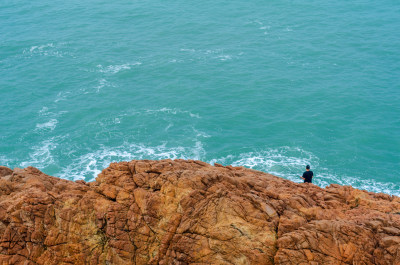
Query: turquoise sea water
{"points": [[271, 85]]}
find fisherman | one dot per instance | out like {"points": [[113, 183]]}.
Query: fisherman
{"points": [[308, 175]]}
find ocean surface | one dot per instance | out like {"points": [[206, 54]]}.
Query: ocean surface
{"points": [[269, 85]]}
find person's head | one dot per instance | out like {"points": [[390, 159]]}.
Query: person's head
{"points": [[308, 167]]}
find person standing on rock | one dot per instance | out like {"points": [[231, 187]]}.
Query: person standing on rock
{"points": [[308, 175]]}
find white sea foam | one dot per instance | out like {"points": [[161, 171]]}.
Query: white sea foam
{"points": [[61, 96], [41, 47], [224, 57], [216, 54], [4, 161], [41, 155], [102, 83], [169, 126], [49, 49], [50, 125], [89, 165], [276, 161], [200, 133], [113, 69], [45, 112], [172, 111], [164, 114], [261, 26]]}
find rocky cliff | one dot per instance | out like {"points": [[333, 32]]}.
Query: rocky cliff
{"points": [[189, 212]]}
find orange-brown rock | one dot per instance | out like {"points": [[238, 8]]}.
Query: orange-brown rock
{"points": [[189, 212]]}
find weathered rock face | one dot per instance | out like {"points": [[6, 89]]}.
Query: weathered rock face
{"points": [[189, 212]]}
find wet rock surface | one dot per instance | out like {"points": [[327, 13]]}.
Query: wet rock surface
{"points": [[189, 212]]}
